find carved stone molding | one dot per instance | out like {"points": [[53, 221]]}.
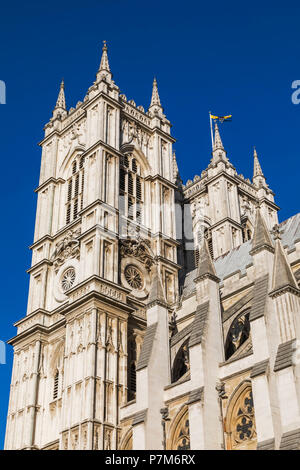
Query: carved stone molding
{"points": [[139, 248], [66, 248]]}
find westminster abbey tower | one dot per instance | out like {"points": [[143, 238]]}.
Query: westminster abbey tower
{"points": [[160, 315]]}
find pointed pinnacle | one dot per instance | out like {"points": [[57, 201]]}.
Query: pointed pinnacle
{"points": [[156, 294], [155, 96], [61, 101], [282, 273], [257, 171], [206, 267], [217, 141], [104, 65], [261, 237]]}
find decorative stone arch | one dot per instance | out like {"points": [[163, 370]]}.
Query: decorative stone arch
{"points": [[64, 169], [240, 426], [57, 359], [126, 441], [137, 153], [247, 230], [179, 434], [181, 361], [238, 335]]}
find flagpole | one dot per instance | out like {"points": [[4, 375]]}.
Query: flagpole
{"points": [[211, 132]]}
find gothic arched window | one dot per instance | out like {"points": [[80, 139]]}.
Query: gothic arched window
{"points": [[238, 334], [131, 189], [180, 437], [240, 419], [75, 190], [181, 363]]}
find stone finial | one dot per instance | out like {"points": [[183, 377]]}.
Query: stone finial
{"points": [[155, 100], [261, 237], [156, 295], [258, 176], [257, 171], [217, 139], [276, 232], [104, 69], [104, 65], [206, 267], [61, 101]]}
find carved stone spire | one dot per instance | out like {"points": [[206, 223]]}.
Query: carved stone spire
{"points": [[60, 107], [258, 176], [155, 105], [104, 69], [155, 96], [176, 174], [218, 153], [156, 295], [61, 101], [261, 237], [218, 145], [206, 266], [104, 65]]}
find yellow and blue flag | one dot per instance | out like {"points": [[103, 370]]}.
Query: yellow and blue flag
{"points": [[221, 118]]}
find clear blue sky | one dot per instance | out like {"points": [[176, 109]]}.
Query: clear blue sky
{"points": [[223, 56]]}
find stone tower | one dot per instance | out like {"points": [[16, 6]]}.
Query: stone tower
{"points": [[105, 217]]}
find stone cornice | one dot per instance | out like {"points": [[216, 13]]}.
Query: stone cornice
{"points": [[112, 150], [206, 276], [227, 219], [51, 238], [283, 290], [101, 288], [260, 248], [270, 203], [161, 179], [49, 181], [101, 94], [39, 264], [163, 134], [38, 328], [165, 261], [99, 201]]}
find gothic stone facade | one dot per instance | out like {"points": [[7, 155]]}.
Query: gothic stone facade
{"points": [[159, 315]]}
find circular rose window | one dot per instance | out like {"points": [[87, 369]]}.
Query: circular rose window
{"points": [[134, 277], [68, 279]]}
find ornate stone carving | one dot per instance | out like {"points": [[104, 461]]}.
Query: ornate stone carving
{"points": [[66, 248], [139, 248]]}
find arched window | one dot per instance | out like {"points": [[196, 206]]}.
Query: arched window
{"points": [[181, 363], [240, 419], [75, 190], [246, 231], [131, 189], [180, 436], [238, 334]]}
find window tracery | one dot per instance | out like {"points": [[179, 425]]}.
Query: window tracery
{"points": [[241, 428], [75, 187], [181, 435], [131, 189], [238, 334], [181, 363]]}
